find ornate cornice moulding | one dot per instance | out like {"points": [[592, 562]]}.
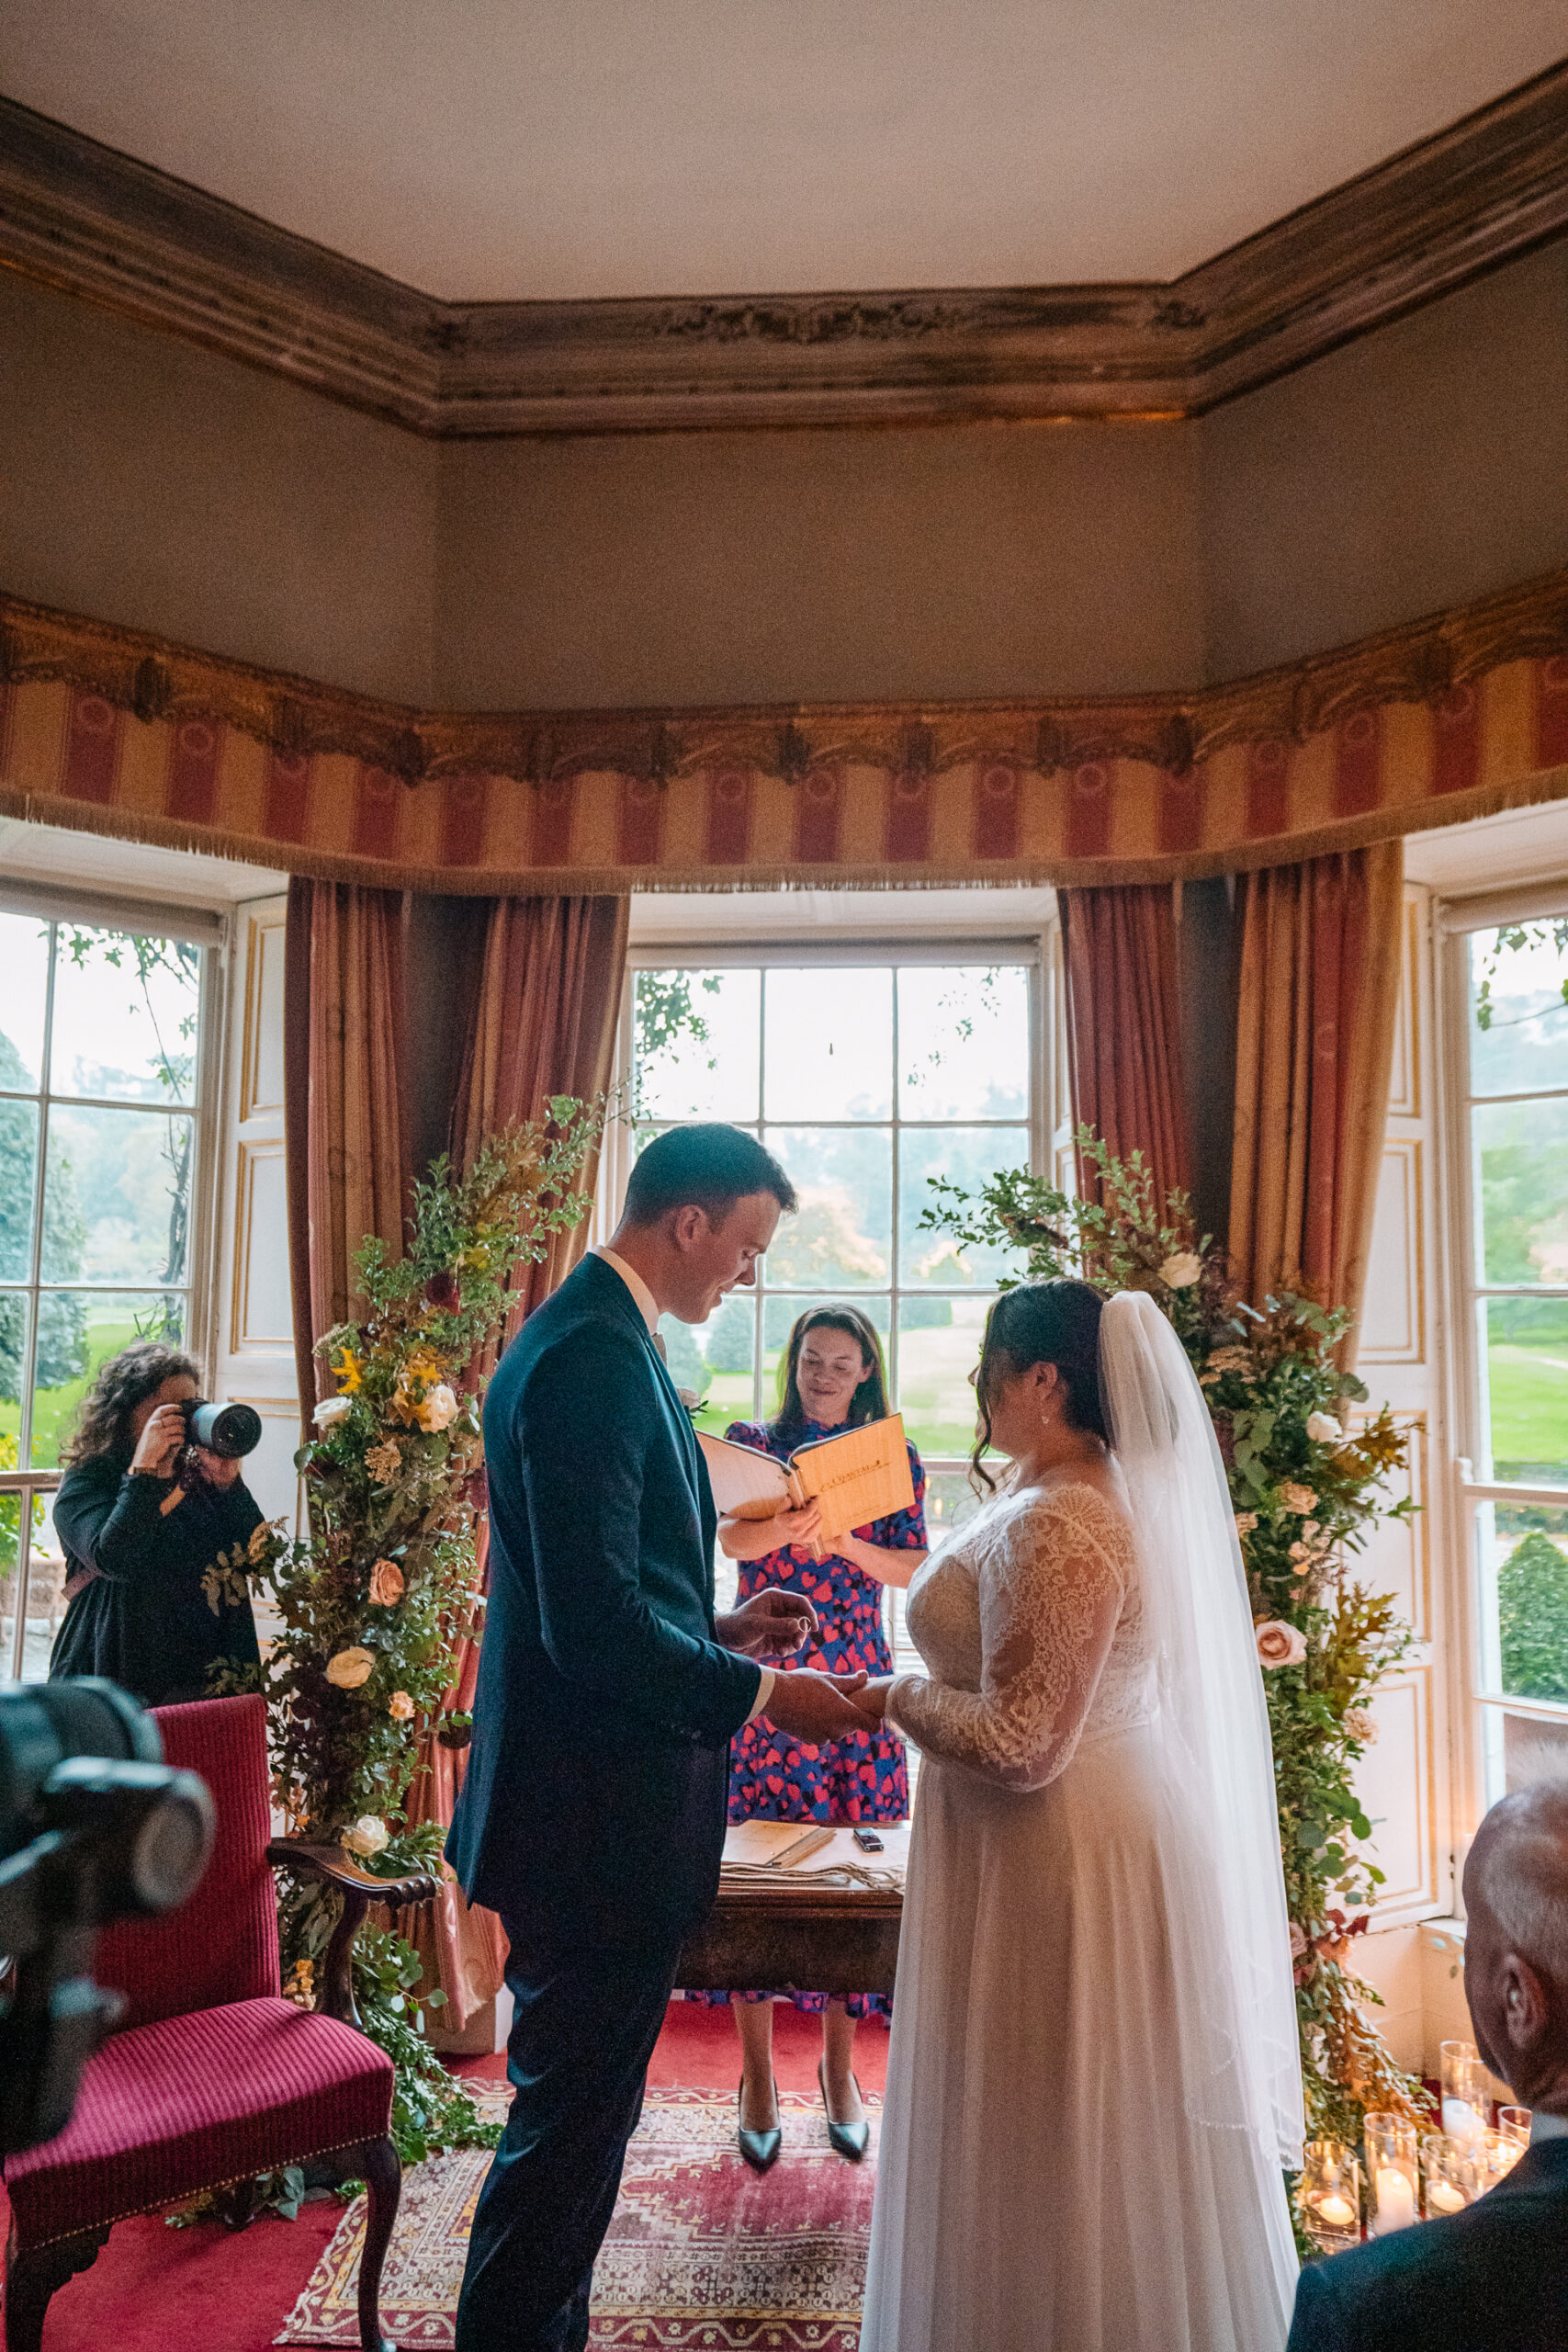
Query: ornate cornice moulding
{"points": [[97, 224]]}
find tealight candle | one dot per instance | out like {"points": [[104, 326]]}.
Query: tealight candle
{"points": [[1443, 2197], [1335, 2212], [1461, 2120], [1396, 2200]]}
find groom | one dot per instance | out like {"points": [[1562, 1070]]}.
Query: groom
{"points": [[592, 1816]]}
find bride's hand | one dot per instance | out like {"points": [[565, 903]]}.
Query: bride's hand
{"points": [[872, 1700]]}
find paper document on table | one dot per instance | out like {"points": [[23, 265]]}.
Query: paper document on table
{"points": [[858, 1476]]}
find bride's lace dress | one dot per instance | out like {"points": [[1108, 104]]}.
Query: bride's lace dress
{"points": [[1041, 2185]]}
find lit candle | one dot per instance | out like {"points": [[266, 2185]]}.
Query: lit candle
{"points": [[1396, 2200], [1335, 2213], [1442, 2196], [1461, 2120]]}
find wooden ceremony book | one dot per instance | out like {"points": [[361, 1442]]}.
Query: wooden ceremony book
{"points": [[858, 1475]]}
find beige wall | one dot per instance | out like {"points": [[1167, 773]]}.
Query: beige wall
{"points": [[1424, 466], [157, 485], [151, 483], [822, 566]]}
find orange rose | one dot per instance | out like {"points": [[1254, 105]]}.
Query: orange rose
{"points": [[386, 1584], [399, 1706]]}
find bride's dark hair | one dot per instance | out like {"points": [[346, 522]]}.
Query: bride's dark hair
{"points": [[1055, 1322]]}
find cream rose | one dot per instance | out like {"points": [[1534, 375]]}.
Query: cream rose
{"points": [[331, 1409], [1181, 1269], [1281, 1644], [1246, 1521], [350, 1668], [368, 1836], [1361, 1726], [1297, 1498], [438, 1407], [386, 1584], [399, 1706], [1323, 1429]]}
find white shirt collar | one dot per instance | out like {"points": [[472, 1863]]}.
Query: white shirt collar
{"points": [[646, 1305]]}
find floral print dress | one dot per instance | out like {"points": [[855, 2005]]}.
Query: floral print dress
{"points": [[863, 1777]]}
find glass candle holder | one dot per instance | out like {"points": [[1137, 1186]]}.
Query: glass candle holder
{"points": [[1497, 2153], [1516, 2122], [1329, 2195], [1391, 2174], [1467, 2103], [1450, 2173]]}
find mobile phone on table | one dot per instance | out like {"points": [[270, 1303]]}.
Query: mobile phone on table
{"points": [[868, 1841]]}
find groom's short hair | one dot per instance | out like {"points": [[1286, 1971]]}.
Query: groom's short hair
{"points": [[709, 1167]]}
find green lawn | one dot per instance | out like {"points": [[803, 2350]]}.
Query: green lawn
{"points": [[55, 1409], [1529, 1405]]}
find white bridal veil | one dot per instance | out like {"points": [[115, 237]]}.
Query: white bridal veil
{"points": [[1235, 2002]]}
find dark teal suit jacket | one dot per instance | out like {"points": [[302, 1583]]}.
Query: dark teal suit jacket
{"points": [[1492, 2278], [594, 1799]]}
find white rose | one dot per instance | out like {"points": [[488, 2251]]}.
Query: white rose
{"points": [[439, 1408], [1324, 1428], [331, 1409], [368, 1836], [1181, 1269]]}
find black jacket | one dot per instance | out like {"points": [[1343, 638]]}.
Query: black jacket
{"points": [[1491, 2278], [594, 1799], [155, 1599]]}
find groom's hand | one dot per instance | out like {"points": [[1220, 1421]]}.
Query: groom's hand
{"points": [[773, 1624], [816, 1707]]}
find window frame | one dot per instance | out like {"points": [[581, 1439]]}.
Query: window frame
{"points": [[1487, 1706], [209, 931]]}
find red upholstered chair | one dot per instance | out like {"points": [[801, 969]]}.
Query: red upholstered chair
{"points": [[210, 2076]]}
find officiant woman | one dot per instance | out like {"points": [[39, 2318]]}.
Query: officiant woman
{"points": [[832, 1378]]}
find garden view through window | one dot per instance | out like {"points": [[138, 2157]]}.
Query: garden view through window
{"points": [[864, 1079], [1517, 1053], [99, 1045]]}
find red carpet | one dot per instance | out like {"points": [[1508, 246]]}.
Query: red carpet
{"points": [[203, 2289]]}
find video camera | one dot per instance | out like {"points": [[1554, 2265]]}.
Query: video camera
{"points": [[232, 1430], [94, 1827]]}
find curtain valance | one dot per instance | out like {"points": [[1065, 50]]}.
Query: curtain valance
{"points": [[110, 731]]}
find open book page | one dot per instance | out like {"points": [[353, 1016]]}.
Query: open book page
{"points": [[857, 1476], [747, 1483]]}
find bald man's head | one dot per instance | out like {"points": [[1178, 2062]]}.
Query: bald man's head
{"points": [[1515, 1956]]}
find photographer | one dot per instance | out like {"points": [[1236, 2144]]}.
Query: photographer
{"points": [[154, 1531]]}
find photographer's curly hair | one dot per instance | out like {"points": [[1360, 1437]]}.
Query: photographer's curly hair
{"points": [[123, 1383], [1055, 1322]]}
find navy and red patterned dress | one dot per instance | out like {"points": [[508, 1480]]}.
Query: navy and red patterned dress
{"points": [[863, 1777]]}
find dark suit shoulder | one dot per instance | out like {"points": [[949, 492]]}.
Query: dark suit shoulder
{"points": [[1494, 2277]]}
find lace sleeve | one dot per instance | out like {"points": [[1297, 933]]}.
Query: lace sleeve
{"points": [[1051, 1587]]}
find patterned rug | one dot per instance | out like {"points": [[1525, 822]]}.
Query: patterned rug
{"points": [[702, 2255]]}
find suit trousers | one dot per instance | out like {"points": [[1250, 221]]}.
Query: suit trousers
{"points": [[585, 2019]]}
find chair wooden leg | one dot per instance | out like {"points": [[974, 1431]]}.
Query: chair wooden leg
{"points": [[32, 2274], [377, 2164]]}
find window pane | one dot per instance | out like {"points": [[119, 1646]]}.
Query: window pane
{"points": [[19, 1179], [14, 1308], [125, 1011], [1525, 1045], [1521, 1158], [695, 1045], [830, 1044], [78, 1331], [966, 1156], [1526, 1388], [1524, 1565], [841, 1235], [963, 1041], [1533, 1749], [950, 1501], [24, 959], [938, 1346], [715, 1358], [117, 1196]]}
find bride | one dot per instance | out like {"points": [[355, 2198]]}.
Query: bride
{"points": [[1093, 2081]]}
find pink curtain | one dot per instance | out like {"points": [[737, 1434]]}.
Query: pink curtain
{"points": [[1124, 1028]]}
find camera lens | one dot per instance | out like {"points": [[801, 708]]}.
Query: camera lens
{"points": [[169, 1851], [230, 1429]]}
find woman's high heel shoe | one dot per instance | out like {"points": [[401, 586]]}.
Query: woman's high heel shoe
{"points": [[851, 2140], [759, 2149]]}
